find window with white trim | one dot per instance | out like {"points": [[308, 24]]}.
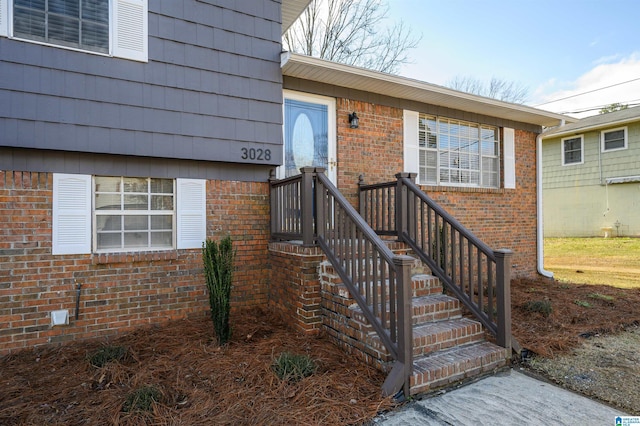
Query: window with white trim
{"points": [[133, 213], [572, 149], [113, 27], [457, 153], [124, 214], [614, 139]]}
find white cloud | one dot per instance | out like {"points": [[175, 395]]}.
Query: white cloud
{"points": [[608, 82]]}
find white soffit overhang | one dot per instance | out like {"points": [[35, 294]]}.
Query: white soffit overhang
{"points": [[322, 71], [291, 9]]}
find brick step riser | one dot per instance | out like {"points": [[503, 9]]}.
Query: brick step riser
{"points": [[456, 365], [421, 285]]}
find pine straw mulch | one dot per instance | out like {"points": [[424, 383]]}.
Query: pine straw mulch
{"points": [[200, 383], [578, 312]]}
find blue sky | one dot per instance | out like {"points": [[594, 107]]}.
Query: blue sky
{"points": [[557, 48]]}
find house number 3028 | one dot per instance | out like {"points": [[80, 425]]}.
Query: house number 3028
{"points": [[256, 154]]}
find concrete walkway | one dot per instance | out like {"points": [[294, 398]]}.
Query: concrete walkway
{"points": [[509, 398]]}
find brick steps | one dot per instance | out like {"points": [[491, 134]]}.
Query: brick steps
{"points": [[446, 347]]}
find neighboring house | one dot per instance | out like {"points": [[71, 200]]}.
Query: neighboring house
{"points": [[134, 131], [591, 176]]}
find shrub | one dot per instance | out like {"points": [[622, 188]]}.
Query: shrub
{"points": [[107, 354], [141, 399], [293, 367], [582, 303], [218, 271], [540, 306]]}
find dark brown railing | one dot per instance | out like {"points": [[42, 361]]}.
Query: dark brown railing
{"points": [[477, 275], [308, 207]]}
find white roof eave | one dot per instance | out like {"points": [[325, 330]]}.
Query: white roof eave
{"points": [[322, 71]]}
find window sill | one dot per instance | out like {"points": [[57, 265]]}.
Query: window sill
{"points": [[466, 189], [133, 257]]}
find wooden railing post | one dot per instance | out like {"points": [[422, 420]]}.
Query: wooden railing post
{"points": [[405, 331], [405, 214], [503, 287], [361, 199], [273, 203], [306, 200]]}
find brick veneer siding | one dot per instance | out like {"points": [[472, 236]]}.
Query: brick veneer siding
{"points": [[374, 149], [503, 218], [118, 291], [295, 284]]}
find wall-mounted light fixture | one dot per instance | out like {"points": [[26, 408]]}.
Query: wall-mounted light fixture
{"points": [[353, 120]]}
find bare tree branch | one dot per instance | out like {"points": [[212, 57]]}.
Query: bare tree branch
{"points": [[508, 91], [353, 32]]}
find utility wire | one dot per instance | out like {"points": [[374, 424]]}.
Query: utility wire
{"points": [[590, 91], [628, 104]]}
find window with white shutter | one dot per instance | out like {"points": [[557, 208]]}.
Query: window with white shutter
{"points": [[71, 228], [114, 27], [124, 214]]}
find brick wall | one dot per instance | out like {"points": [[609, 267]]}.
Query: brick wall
{"points": [[118, 291], [503, 218], [374, 149]]}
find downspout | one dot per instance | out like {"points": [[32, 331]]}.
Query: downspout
{"points": [[540, 228]]}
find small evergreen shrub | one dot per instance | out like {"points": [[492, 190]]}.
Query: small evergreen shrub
{"points": [[107, 354], [582, 303], [293, 367], [218, 261], [141, 399], [541, 306]]}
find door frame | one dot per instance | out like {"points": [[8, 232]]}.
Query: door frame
{"points": [[332, 172]]}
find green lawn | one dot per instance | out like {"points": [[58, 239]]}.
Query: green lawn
{"points": [[611, 261]]}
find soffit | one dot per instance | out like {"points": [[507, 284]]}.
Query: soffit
{"points": [[319, 70], [291, 9]]}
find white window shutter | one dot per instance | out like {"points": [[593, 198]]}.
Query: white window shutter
{"points": [[71, 229], [191, 207], [130, 29], [509, 158], [411, 151], [4, 17]]}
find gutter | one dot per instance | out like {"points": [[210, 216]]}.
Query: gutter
{"points": [[540, 228]]}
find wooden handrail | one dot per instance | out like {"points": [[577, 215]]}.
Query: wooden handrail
{"points": [[477, 275], [310, 207]]}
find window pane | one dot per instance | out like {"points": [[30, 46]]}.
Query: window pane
{"points": [[31, 4], [29, 23], [136, 223], [107, 202], [109, 222], [96, 11], [108, 241], [136, 185], [95, 35], [136, 202], [136, 239], [162, 186], [161, 239], [161, 222], [65, 7], [162, 202], [64, 29], [107, 184]]}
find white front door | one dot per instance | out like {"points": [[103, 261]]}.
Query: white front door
{"points": [[309, 134]]}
